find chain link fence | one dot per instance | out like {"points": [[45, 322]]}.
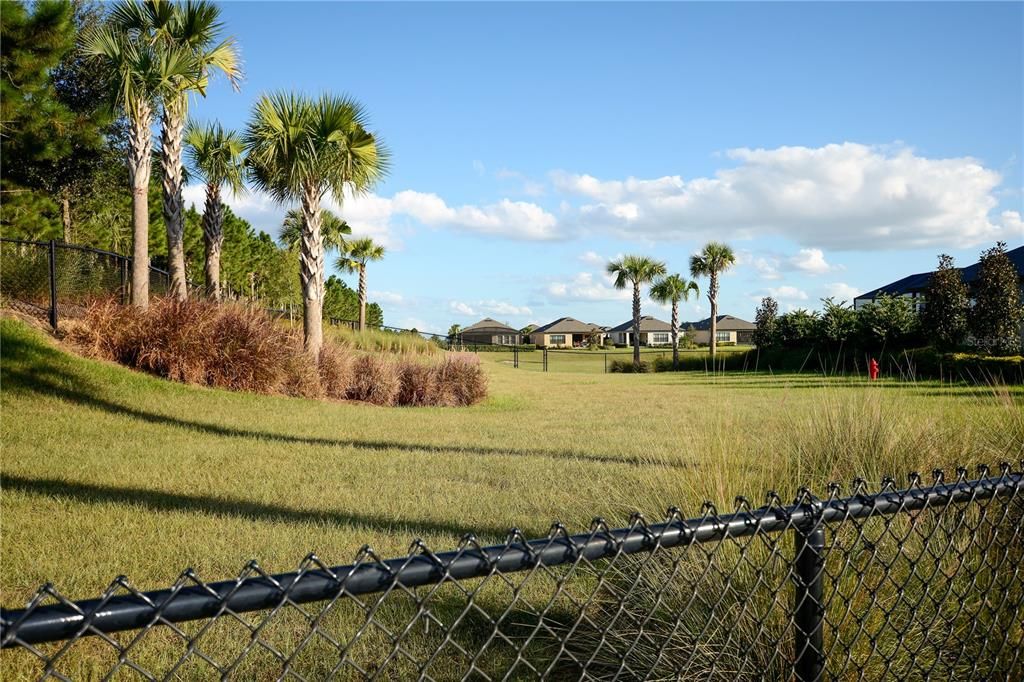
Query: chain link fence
{"points": [[53, 280], [918, 582]]}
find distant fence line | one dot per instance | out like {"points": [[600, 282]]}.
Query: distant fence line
{"points": [[920, 582], [53, 280]]}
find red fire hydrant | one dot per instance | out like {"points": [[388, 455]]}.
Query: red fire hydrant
{"points": [[873, 369]]}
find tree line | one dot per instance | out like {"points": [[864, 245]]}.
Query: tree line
{"points": [[84, 85], [950, 316]]}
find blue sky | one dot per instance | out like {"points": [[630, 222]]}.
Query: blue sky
{"points": [[835, 146]]}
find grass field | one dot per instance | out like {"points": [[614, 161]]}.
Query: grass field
{"points": [[596, 361], [107, 472]]}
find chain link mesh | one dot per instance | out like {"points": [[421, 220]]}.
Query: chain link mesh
{"points": [[923, 582], [81, 276]]}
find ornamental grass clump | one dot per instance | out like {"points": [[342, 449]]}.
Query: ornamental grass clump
{"points": [[243, 349]]}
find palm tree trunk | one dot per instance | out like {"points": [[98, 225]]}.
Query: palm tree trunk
{"points": [[311, 272], [173, 180], [675, 334], [636, 326], [140, 150], [362, 296], [713, 299], [213, 234]]}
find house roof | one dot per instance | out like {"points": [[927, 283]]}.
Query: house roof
{"points": [[566, 325], [726, 323], [919, 282], [490, 325], [647, 324]]}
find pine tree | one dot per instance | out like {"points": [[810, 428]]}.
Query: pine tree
{"points": [[944, 318], [996, 318]]}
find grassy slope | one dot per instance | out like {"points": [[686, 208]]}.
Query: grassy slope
{"points": [[106, 471]]}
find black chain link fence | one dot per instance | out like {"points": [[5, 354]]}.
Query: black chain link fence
{"points": [[923, 582], [54, 281]]}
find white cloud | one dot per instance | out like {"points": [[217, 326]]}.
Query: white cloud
{"points": [[490, 307], [506, 218], [840, 196], [461, 308], [373, 215], [389, 297], [479, 167], [593, 258], [787, 293], [585, 287], [842, 291], [811, 261]]}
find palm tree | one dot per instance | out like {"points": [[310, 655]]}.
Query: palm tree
{"points": [[635, 270], [333, 229], [673, 289], [360, 252], [142, 76], [215, 156], [299, 149], [192, 29], [714, 258]]}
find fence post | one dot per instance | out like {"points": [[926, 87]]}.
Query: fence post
{"points": [[606, 363], [53, 284], [809, 608], [515, 357], [545, 359], [124, 280]]}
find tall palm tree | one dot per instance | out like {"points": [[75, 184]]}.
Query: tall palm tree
{"points": [[299, 149], [194, 27], [673, 289], [215, 155], [635, 271], [333, 229], [713, 259], [142, 75], [360, 252]]}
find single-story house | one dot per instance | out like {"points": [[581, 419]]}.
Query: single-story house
{"points": [[914, 286], [653, 332], [566, 332], [490, 331], [729, 329]]}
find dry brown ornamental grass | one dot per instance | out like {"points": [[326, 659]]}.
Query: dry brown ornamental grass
{"points": [[243, 349]]}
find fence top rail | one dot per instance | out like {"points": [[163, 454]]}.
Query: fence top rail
{"points": [[65, 245], [191, 599]]}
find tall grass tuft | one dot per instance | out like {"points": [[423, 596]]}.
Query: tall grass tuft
{"points": [[243, 349], [376, 379], [377, 340]]}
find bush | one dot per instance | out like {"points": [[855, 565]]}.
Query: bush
{"points": [[375, 379], [626, 366], [458, 380], [335, 370], [243, 349]]}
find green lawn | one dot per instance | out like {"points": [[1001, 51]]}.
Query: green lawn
{"points": [[583, 361], [106, 471]]}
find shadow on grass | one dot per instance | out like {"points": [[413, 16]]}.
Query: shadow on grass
{"points": [[163, 501], [34, 368]]}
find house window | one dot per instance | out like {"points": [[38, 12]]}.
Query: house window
{"points": [[722, 336], [557, 339], [659, 337]]}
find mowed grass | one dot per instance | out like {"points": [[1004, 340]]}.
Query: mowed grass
{"points": [[580, 361], [107, 472]]}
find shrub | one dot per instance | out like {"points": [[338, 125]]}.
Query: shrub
{"points": [[244, 349], [459, 380], [417, 383], [335, 371], [375, 379], [626, 366]]}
